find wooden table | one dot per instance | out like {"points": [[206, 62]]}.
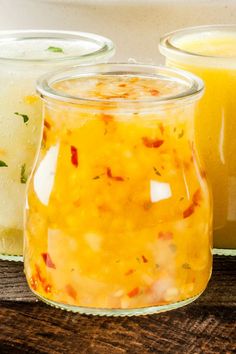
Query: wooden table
{"points": [[206, 326]]}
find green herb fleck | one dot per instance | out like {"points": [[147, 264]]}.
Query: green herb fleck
{"points": [[181, 199], [55, 49], [181, 134], [186, 266], [3, 164], [96, 177], [23, 177], [24, 116], [156, 171]]}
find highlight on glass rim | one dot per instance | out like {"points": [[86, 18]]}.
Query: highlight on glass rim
{"points": [[117, 176]]}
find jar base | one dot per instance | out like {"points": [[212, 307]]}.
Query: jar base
{"points": [[117, 312], [224, 252], [8, 257]]}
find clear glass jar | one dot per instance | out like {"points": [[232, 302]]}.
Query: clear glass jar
{"points": [[118, 220], [24, 56], [210, 53]]}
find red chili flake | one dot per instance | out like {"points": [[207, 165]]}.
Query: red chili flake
{"points": [[203, 173], [176, 159], [165, 235], [189, 211], [144, 259], [48, 261], [115, 178], [47, 288], [74, 156], [47, 124], [154, 92], [152, 143], [38, 274], [133, 292], [197, 197], [130, 271], [107, 118], [71, 291], [33, 283], [162, 129], [38, 277], [44, 136]]}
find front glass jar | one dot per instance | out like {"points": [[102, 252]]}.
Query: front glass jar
{"points": [[118, 219], [24, 56], [210, 53]]}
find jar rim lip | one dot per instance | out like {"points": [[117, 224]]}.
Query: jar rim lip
{"points": [[105, 46], [45, 90], [167, 47]]}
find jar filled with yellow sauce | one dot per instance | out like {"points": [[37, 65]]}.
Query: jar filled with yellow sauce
{"points": [[210, 53], [118, 220]]}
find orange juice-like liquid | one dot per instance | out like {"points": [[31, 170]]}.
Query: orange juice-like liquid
{"points": [[214, 62]]}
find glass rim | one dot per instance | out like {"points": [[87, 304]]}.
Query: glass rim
{"points": [[167, 47], [106, 46], [45, 90]]}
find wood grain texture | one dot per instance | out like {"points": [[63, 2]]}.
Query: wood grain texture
{"points": [[13, 285], [206, 326]]}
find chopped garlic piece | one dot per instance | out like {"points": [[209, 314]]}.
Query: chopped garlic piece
{"points": [[159, 191], [94, 241]]}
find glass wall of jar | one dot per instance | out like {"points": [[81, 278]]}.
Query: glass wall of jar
{"points": [[210, 53], [24, 56], [118, 220]]}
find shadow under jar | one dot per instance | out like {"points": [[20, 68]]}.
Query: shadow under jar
{"points": [[25, 56], [210, 53], [118, 220]]}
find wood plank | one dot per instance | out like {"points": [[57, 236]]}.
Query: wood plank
{"points": [[206, 326], [13, 286], [36, 328]]}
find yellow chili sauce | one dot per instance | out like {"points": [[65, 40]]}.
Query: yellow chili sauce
{"points": [[119, 213]]}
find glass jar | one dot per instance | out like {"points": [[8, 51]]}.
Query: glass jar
{"points": [[24, 56], [210, 53], [118, 220]]}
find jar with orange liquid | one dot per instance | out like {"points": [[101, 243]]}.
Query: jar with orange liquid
{"points": [[210, 52], [118, 220]]}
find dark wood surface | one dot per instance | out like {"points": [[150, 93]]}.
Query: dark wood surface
{"points": [[206, 326]]}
